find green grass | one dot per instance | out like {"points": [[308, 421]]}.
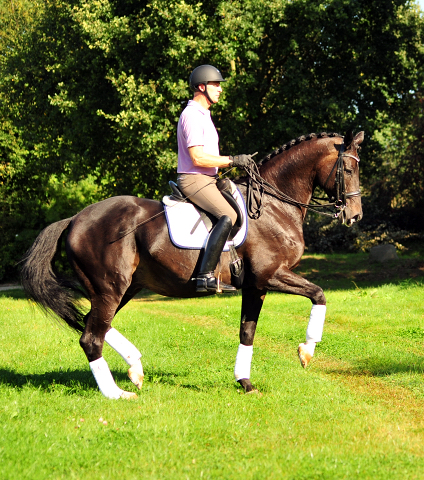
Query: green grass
{"points": [[355, 413]]}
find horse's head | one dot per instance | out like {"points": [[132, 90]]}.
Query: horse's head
{"points": [[340, 178]]}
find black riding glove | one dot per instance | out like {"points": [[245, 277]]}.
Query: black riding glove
{"points": [[242, 160]]}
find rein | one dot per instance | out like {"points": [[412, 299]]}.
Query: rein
{"points": [[258, 187]]}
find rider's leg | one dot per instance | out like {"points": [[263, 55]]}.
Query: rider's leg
{"points": [[202, 191], [206, 281]]}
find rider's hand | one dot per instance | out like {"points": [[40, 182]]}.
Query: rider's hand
{"points": [[242, 160]]}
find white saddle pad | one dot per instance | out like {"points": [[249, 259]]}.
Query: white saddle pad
{"points": [[182, 217]]}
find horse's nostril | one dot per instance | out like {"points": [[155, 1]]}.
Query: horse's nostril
{"points": [[357, 218]]}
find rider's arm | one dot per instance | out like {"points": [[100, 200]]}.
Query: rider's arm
{"points": [[203, 159]]}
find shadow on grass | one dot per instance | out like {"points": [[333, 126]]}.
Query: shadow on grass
{"points": [[72, 379], [346, 272], [75, 382], [179, 380], [377, 367], [15, 293], [160, 376]]}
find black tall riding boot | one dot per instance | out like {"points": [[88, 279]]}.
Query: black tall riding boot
{"points": [[206, 281]]}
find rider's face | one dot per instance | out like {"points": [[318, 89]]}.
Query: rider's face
{"points": [[214, 91]]}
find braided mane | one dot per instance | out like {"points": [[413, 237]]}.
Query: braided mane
{"points": [[296, 141]]}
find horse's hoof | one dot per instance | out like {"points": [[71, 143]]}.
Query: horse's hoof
{"points": [[254, 390], [246, 384], [304, 354], [136, 374], [128, 395]]}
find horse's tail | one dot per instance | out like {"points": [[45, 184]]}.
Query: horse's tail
{"points": [[42, 284]]}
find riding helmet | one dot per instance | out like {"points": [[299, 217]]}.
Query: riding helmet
{"points": [[204, 74]]}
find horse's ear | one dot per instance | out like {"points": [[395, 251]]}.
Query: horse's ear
{"points": [[359, 138], [348, 138]]}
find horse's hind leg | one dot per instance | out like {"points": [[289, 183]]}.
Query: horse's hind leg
{"points": [[97, 324], [252, 301], [129, 353], [125, 348]]}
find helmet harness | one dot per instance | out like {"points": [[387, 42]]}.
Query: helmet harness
{"points": [[202, 75]]}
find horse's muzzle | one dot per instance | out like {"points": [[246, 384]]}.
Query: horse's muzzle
{"points": [[349, 220]]}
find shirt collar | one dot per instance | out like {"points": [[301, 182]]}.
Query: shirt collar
{"points": [[197, 106]]}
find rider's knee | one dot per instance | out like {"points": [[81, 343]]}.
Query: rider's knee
{"points": [[232, 215]]}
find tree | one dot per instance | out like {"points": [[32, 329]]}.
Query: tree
{"points": [[101, 84], [95, 87]]}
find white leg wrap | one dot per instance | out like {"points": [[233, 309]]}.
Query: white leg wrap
{"points": [[137, 366], [243, 362], [316, 323], [123, 346], [104, 379]]}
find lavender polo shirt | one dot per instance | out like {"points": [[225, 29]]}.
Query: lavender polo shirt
{"points": [[195, 128]]}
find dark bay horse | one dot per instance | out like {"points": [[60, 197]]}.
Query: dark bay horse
{"points": [[121, 245]]}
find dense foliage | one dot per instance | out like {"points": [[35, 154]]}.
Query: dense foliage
{"points": [[91, 91]]}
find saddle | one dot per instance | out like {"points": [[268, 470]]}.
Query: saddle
{"points": [[227, 189], [189, 225]]}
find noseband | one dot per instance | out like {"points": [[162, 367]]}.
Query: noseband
{"points": [[258, 186]]}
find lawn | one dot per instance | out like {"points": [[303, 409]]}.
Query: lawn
{"points": [[356, 412]]}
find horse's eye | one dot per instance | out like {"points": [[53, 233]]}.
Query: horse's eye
{"points": [[348, 171]]}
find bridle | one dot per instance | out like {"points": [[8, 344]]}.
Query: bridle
{"points": [[339, 202], [257, 187]]}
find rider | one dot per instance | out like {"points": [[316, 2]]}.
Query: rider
{"points": [[198, 164]]}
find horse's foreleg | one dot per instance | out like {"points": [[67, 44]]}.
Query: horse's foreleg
{"points": [[129, 353], [252, 301], [313, 334], [288, 282]]}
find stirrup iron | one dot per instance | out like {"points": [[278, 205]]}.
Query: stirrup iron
{"points": [[208, 283]]}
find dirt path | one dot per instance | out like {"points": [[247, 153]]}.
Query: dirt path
{"points": [[9, 286]]}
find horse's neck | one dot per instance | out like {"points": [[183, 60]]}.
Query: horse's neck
{"points": [[293, 173]]}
